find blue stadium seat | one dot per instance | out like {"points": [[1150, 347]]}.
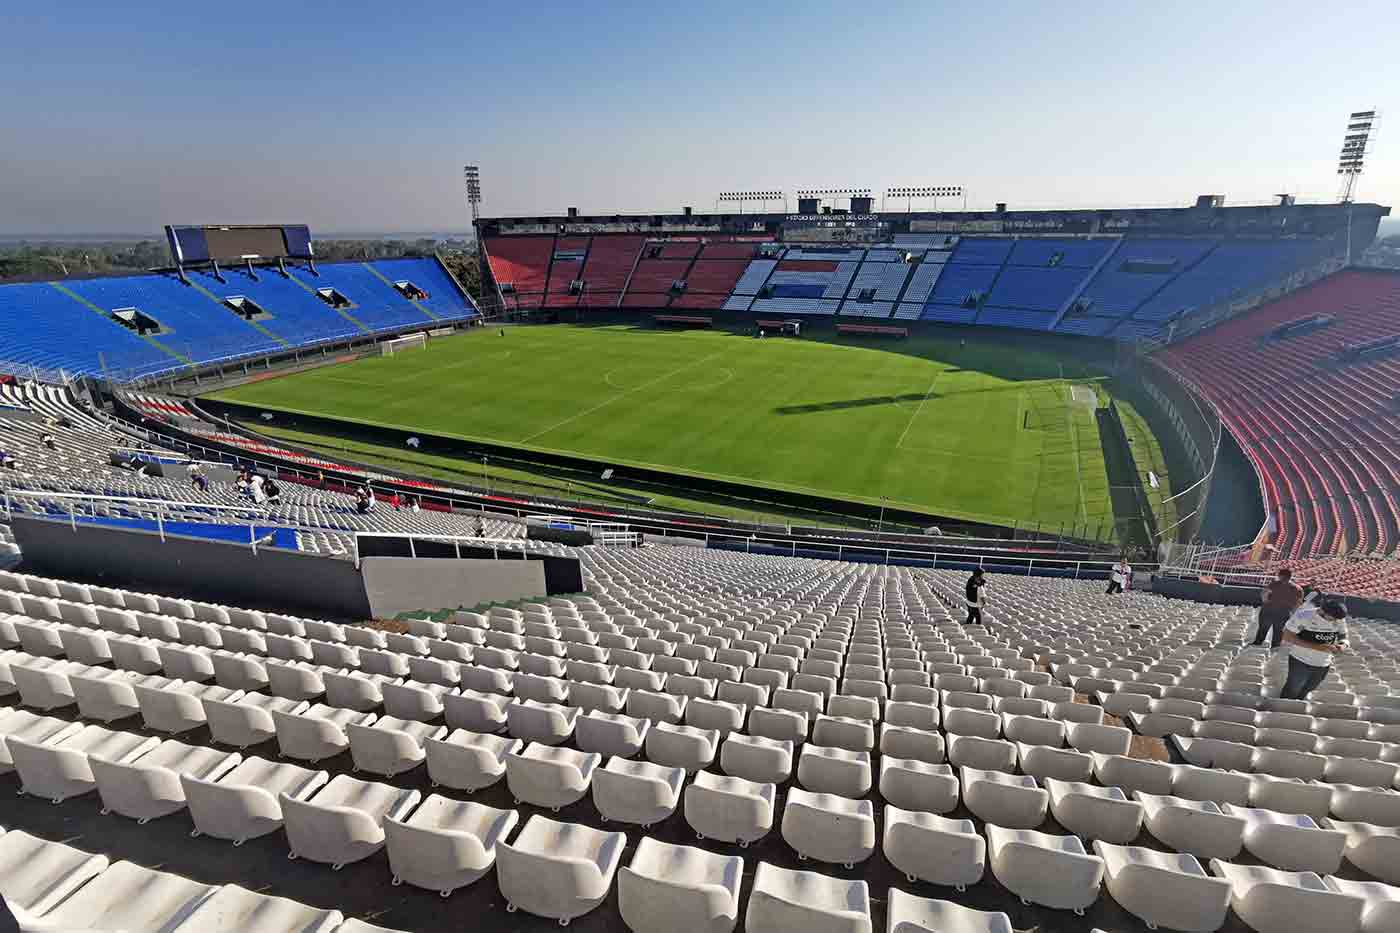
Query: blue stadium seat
{"points": [[68, 325]]}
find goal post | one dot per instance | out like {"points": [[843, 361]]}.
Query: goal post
{"points": [[418, 341]]}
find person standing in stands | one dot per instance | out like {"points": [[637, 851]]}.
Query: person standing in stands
{"points": [[361, 501], [973, 598], [1282, 597], [1314, 635], [1119, 576]]}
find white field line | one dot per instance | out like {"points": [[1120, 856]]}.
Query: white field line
{"points": [[623, 394]]}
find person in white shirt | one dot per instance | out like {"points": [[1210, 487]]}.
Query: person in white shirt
{"points": [[1314, 635], [1119, 576]]}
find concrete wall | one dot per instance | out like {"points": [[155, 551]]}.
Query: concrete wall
{"points": [[275, 579], [402, 584], [1250, 596]]}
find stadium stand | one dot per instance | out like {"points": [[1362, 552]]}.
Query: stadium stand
{"points": [[520, 266], [79, 471], [74, 327], [856, 696], [1322, 429], [1118, 287]]}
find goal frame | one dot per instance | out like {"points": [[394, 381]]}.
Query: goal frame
{"points": [[418, 340]]}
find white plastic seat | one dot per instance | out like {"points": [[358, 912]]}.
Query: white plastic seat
{"points": [[917, 785], [909, 742], [834, 771], [295, 680], [36, 874], [1290, 841], [611, 734], [603, 698], [782, 901], [779, 724], [1130, 774], [637, 791], [1198, 827], [239, 671], [729, 809], [908, 913], [150, 787], [390, 746], [1010, 800], [1164, 889], [343, 822], [61, 767], [1039, 868], [445, 844], [1095, 812], [1287, 795], [972, 751], [679, 746], [466, 760], [245, 803], [1033, 730], [1211, 784], [829, 828], [557, 870], [111, 696], [934, 849], [1274, 901], [1042, 761], [541, 723], [247, 719], [233, 909], [354, 690], [1092, 737], [125, 897], [667, 888], [30, 727], [475, 711], [416, 701], [177, 706], [1216, 753], [1373, 849], [1382, 911], [547, 776], [756, 758], [317, 732]]}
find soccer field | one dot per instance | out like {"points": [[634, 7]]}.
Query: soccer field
{"points": [[990, 432]]}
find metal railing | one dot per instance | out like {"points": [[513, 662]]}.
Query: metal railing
{"points": [[158, 506]]}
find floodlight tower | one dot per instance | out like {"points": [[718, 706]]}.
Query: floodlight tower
{"points": [[472, 175], [1355, 144]]}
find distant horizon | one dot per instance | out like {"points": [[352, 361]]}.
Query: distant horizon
{"points": [[1388, 226]]}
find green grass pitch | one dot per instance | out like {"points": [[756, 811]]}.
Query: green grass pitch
{"points": [[988, 431]]}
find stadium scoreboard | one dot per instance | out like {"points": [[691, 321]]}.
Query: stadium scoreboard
{"points": [[236, 244]]}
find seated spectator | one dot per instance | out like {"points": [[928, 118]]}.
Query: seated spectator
{"points": [[7, 461], [413, 504], [361, 501], [47, 439], [274, 495]]}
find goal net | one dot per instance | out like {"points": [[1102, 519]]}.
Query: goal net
{"points": [[417, 341]]}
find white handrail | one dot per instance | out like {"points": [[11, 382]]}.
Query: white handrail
{"points": [[133, 500]]}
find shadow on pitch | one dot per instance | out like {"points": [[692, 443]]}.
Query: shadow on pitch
{"points": [[844, 403]]}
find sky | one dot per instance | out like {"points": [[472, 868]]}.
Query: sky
{"points": [[358, 117]]}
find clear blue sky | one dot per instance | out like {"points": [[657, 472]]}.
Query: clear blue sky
{"points": [[358, 116]]}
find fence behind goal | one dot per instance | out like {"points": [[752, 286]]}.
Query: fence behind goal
{"points": [[416, 341]]}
